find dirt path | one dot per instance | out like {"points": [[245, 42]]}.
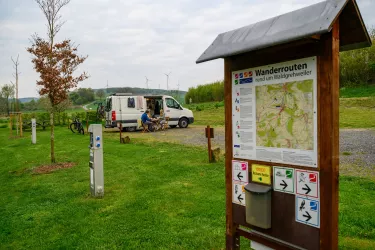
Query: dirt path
{"points": [[193, 135]]}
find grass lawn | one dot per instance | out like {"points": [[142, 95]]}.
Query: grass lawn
{"points": [[157, 196], [154, 198], [356, 218], [207, 114], [361, 91], [357, 112]]}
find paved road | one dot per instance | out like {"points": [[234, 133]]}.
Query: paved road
{"points": [[85, 106], [357, 146]]}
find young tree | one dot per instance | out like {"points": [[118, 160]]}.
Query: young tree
{"points": [[16, 74], [7, 92], [55, 62], [100, 93]]}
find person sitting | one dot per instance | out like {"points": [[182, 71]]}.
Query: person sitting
{"points": [[162, 117], [147, 121]]}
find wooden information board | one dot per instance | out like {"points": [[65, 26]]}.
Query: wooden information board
{"points": [[281, 85], [292, 226]]}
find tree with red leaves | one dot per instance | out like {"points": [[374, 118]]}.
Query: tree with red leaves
{"points": [[55, 62]]}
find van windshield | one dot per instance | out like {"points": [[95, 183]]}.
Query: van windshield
{"points": [[171, 103]]}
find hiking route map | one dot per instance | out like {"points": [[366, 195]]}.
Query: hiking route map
{"points": [[274, 113], [284, 114]]}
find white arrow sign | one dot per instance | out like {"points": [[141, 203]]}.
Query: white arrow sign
{"points": [[308, 211], [238, 193], [307, 183], [283, 179], [240, 171]]}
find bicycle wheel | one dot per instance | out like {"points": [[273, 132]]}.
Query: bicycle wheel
{"points": [[73, 127]]}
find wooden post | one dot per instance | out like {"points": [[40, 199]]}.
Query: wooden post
{"points": [[10, 125], [232, 238], [120, 131], [87, 121], [209, 143], [328, 134], [20, 123]]}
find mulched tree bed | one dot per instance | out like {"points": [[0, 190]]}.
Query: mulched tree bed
{"points": [[46, 169]]}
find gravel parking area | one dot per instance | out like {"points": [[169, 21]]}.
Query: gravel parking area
{"points": [[357, 152], [357, 146]]}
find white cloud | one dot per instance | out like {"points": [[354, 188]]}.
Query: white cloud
{"points": [[128, 39]]}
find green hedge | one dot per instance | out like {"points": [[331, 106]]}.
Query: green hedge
{"points": [[213, 92], [62, 118]]}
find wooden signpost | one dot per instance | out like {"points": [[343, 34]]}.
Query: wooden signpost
{"points": [[281, 85], [17, 117], [209, 134]]}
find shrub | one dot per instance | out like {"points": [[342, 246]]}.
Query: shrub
{"points": [[62, 118], [206, 93]]}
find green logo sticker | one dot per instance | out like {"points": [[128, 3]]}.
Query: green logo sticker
{"points": [[235, 82], [289, 174]]}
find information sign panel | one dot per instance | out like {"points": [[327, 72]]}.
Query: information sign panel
{"points": [[238, 195], [308, 211], [274, 113], [283, 179], [307, 183], [261, 174], [240, 171]]}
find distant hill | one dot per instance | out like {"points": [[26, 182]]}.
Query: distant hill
{"points": [[135, 91], [28, 99], [178, 94], [141, 91]]}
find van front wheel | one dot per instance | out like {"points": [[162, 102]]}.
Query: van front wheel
{"points": [[183, 123]]}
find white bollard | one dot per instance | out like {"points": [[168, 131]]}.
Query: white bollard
{"points": [[33, 131]]}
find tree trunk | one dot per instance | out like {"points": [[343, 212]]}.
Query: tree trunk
{"points": [[8, 106], [53, 160]]}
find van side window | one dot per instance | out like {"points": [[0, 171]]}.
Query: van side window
{"points": [[108, 105], [172, 103], [131, 102]]}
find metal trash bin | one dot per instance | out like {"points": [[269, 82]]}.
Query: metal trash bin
{"points": [[258, 205]]}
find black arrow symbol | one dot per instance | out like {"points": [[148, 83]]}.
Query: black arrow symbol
{"points": [[308, 216], [284, 184], [239, 175], [240, 198], [307, 189]]}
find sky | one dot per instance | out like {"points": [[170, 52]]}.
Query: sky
{"points": [[126, 40]]}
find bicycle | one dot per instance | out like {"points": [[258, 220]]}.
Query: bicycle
{"points": [[77, 125], [100, 112]]}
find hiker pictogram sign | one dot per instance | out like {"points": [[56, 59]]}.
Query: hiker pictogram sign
{"points": [[239, 192], [283, 179], [307, 183], [308, 211], [240, 171]]}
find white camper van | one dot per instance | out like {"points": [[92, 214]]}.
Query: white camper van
{"points": [[127, 109]]}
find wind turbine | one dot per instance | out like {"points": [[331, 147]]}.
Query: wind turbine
{"points": [[167, 78], [147, 80]]}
